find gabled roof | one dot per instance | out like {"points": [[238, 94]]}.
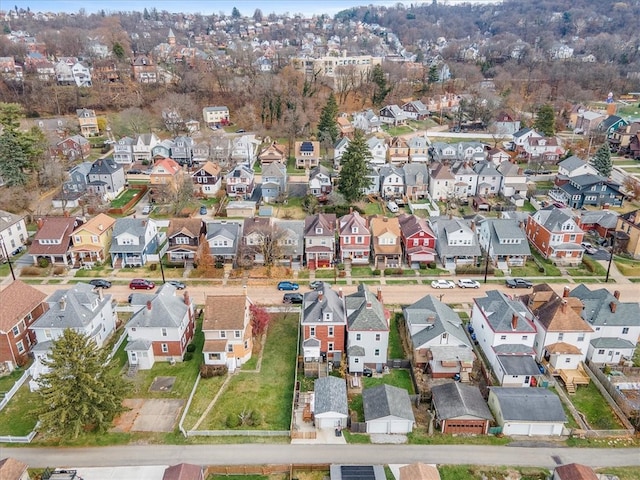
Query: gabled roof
{"points": [[412, 171], [12, 469], [320, 302], [441, 172], [365, 312], [104, 166], [500, 309], [8, 219], [412, 224], [210, 168], [554, 313], [507, 229], [17, 300], [572, 163], [319, 170], [353, 219], [225, 312], [419, 471], [275, 169], [388, 170], [453, 400], [183, 471], [330, 395], [58, 228], [575, 471], [165, 310], [386, 400], [444, 320], [553, 218], [170, 167], [529, 405], [76, 308], [191, 227], [601, 308], [325, 221]]}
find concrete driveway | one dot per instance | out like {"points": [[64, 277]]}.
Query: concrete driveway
{"points": [[148, 415]]}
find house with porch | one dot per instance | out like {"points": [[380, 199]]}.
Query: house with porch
{"points": [[497, 156], [556, 235], [183, 236], [74, 188], [320, 240], [368, 121], [378, 149], [444, 152], [599, 222], [629, 224], [416, 180], [338, 150], [391, 181], [506, 334], [489, 179], [307, 154], [521, 138], [466, 180], [123, 151], [106, 179], [355, 238], [438, 342], [22, 305], [273, 153], [574, 166], [514, 184], [207, 180], [457, 242], [504, 240], [52, 241], [345, 127], [162, 327], [92, 240], [166, 174], [88, 122], [182, 150], [392, 115], [290, 241], [73, 148], [588, 190], [143, 145], [387, 242], [244, 149], [418, 240], [398, 151], [472, 152], [542, 149], [240, 182], [274, 181], [320, 184], [134, 239], [506, 124], [228, 336], [224, 237], [419, 149], [415, 110]]}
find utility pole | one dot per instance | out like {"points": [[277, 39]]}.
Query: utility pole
{"points": [[6, 255], [613, 241]]}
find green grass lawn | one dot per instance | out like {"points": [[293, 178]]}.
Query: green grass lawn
{"points": [[396, 377], [124, 198], [18, 417], [269, 392], [594, 407], [357, 272], [473, 472], [7, 382], [627, 267], [395, 343], [588, 267], [372, 208]]}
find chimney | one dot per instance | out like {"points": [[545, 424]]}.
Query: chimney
{"points": [[369, 305], [350, 209], [613, 306], [187, 300], [40, 223], [379, 295], [320, 296], [63, 302], [565, 292], [563, 306], [340, 292], [514, 321], [149, 305], [616, 293], [472, 226], [431, 320], [100, 294], [101, 227]]}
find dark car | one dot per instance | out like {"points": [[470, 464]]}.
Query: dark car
{"points": [[518, 283], [179, 285], [292, 298], [316, 284], [240, 130], [134, 171], [100, 283], [367, 372], [288, 286], [141, 284], [203, 210]]}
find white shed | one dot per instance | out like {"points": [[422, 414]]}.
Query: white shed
{"points": [[140, 353]]}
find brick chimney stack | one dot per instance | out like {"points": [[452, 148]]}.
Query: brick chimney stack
{"points": [[563, 306], [149, 305], [616, 294], [320, 296], [339, 292], [613, 306], [379, 295], [514, 321], [187, 299], [565, 292]]}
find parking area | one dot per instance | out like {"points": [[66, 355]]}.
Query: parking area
{"points": [[148, 415]]}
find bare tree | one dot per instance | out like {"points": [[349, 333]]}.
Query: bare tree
{"points": [[263, 242]]}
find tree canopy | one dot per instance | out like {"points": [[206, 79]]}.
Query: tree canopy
{"points": [[545, 122], [355, 168], [602, 160], [78, 393], [327, 125]]}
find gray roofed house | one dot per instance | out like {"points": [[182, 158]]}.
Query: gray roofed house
{"points": [[460, 408], [505, 241], [456, 242], [133, 240], [274, 181], [387, 409], [224, 237], [331, 409], [574, 166], [292, 241], [500, 309], [320, 181], [489, 179], [416, 180], [106, 178], [324, 317], [391, 181], [517, 365], [527, 411]]}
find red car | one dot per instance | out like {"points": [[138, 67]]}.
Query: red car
{"points": [[141, 284]]}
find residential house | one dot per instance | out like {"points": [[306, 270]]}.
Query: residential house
{"points": [[13, 469], [22, 305], [320, 240], [419, 471], [416, 180], [208, 179], [588, 189], [82, 308], [393, 115], [505, 332], [323, 320], [123, 151], [52, 240], [620, 139], [415, 110], [345, 127], [443, 152], [92, 240], [10, 71], [330, 406], [587, 121], [398, 151], [489, 179], [374, 182], [542, 149], [183, 471], [556, 235], [355, 238], [367, 121], [574, 166], [163, 327], [418, 240], [88, 122], [367, 330], [142, 147], [290, 241], [81, 75], [244, 149], [73, 148], [471, 152], [64, 74], [497, 156], [338, 150], [460, 409], [166, 175], [441, 181], [274, 181], [527, 411], [106, 179], [74, 188], [134, 239], [13, 234], [320, 184], [629, 224], [216, 116], [183, 237], [273, 153], [387, 242], [378, 149], [457, 242], [506, 124], [438, 342], [466, 180], [419, 149], [616, 324], [600, 222], [144, 70], [391, 181], [182, 150], [307, 154], [521, 138], [224, 239], [387, 410], [514, 183], [504, 241], [228, 334], [240, 182], [574, 471]]}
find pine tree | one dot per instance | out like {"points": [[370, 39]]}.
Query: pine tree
{"points": [[381, 90], [602, 160], [545, 120], [327, 124], [79, 393], [355, 168]]}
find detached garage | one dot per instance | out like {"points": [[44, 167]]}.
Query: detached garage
{"points": [[527, 411], [387, 409], [460, 408], [330, 408]]}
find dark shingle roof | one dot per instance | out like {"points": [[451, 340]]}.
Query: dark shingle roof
{"points": [[330, 395], [386, 400], [529, 405], [454, 400]]}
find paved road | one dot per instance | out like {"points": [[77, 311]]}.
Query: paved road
{"points": [[265, 454]]}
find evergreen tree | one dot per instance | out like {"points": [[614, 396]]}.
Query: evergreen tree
{"points": [[434, 75], [601, 161], [118, 50], [380, 90], [145, 14], [13, 160], [235, 13], [545, 121], [355, 168], [79, 393], [327, 124]]}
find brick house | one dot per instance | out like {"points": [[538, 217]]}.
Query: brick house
{"points": [[355, 238], [324, 323], [320, 240], [418, 240], [556, 235]]}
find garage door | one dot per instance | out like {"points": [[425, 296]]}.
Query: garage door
{"points": [[324, 422], [398, 427], [475, 428], [377, 427], [542, 429], [516, 429]]}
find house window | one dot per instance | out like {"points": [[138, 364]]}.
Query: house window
{"points": [[312, 331], [377, 337], [330, 346], [20, 346], [524, 337], [358, 337], [182, 241], [229, 348], [347, 240], [359, 240], [165, 348], [560, 336], [246, 344], [356, 360], [236, 333], [567, 360], [223, 334], [330, 334], [503, 337], [581, 337], [164, 332], [214, 356], [376, 352], [625, 330], [16, 330], [94, 239]]}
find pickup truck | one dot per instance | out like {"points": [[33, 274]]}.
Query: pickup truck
{"points": [[518, 283]]}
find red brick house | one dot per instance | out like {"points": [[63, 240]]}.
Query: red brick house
{"points": [[418, 240], [320, 240], [75, 147], [556, 235], [355, 238], [324, 324], [22, 305]]}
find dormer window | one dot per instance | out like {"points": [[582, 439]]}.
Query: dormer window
{"points": [[318, 230], [354, 229], [327, 316]]}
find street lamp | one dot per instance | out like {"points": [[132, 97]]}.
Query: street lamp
{"points": [[6, 255]]}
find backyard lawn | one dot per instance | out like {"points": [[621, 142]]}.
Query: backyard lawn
{"points": [[395, 342], [124, 198], [18, 418], [594, 407]]}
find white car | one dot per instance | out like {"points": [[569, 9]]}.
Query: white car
{"points": [[589, 248], [443, 284], [468, 283], [392, 206]]}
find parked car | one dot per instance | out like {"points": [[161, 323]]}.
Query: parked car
{"points": [[590, 249], [141, 284], [518, 283], [203, 210], [443, 284], [147, 209], [135, 171], [100, 283], [179, 285], [468, 283], [367, 372], [286, 285], [393, 206], [316, 284], [240, 130], [292, 298]]}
